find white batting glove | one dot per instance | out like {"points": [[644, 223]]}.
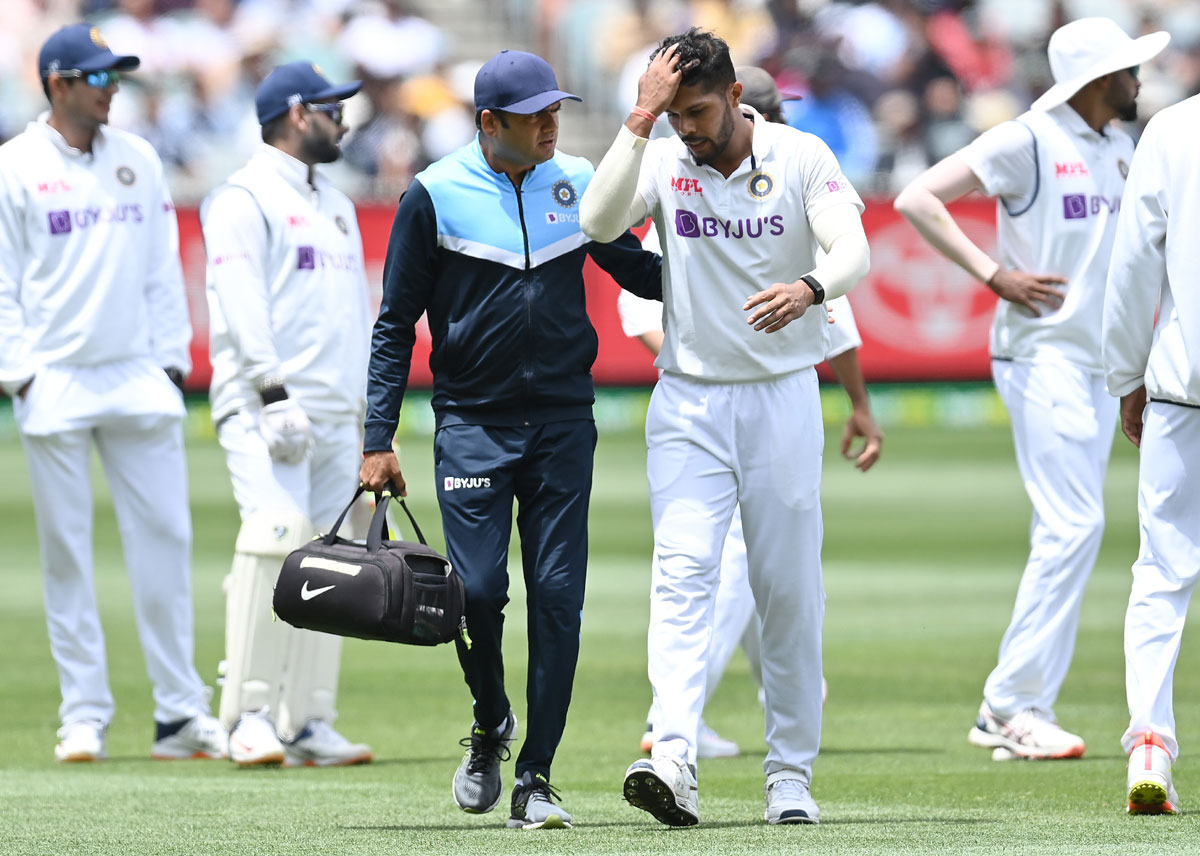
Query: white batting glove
{"points": [[285, 427]]}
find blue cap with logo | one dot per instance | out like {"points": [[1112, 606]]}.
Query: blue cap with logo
{"points": [[517, 82], [300, 82], [80, 47]]}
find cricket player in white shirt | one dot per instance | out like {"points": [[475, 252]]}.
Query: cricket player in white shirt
{"points": [[94, 337], [290, 327], [1058, 172], [734, 619], [741, 207], [1151, 346]]}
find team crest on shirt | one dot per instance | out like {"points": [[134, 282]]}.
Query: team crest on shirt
{"points": [[340, 222], [1122, 168], [126, 176], [760, 185], [564, 193]]}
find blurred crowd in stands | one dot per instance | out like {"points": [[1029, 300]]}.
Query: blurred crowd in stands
{"points": [[890, 85]]}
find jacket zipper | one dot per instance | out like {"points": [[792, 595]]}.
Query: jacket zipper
{"points": [[528, 300]]}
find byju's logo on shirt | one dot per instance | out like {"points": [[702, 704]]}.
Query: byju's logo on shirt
{"points": [[310, 258], [562, 217], [1077, 206], [62, 222], [689, 225], [455, 483]]}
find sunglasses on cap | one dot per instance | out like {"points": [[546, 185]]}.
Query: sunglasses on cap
{"points": [[98, 79], [333, 111]]}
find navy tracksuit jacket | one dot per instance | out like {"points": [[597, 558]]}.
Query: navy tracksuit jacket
{"points": [[499, 272]]}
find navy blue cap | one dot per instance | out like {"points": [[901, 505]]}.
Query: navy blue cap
{"points": [[80, 47], [300, 82], [517, 82]]}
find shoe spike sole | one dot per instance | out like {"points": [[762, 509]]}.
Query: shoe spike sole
{"points": [[1149, 798], [645, 791]]}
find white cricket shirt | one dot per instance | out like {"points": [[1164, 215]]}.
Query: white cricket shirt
{"points": [[1155, 265], [1059, 185], [287, 292], [89, 256], [726, 238]]}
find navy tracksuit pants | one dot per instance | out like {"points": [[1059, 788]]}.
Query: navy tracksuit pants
{"points": [[547, 469]]}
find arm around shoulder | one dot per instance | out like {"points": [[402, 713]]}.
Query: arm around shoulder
{"points": [[611, 203]]}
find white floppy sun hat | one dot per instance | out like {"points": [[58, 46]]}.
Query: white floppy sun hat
{"points": [[1089, 48]]}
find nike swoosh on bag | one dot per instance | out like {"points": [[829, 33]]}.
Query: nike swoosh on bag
{"points": [[308, 594]]}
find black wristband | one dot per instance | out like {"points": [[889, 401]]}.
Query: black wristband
{"points": [[175, 376], [818, 290], [272, 394]]}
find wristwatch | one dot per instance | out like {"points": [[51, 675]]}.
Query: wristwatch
{"points": [[818, 290]]}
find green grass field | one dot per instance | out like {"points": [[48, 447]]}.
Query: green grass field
{"points": [[922, 561]]}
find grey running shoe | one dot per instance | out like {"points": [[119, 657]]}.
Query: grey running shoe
{"points": [[533, 805], [477, 786], [788, 801]]}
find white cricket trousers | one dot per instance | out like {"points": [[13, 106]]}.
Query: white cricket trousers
{"points": [[733, 613], [318, 487], [1063, 423], [144, 462], [711, 447], [1166, 569]]}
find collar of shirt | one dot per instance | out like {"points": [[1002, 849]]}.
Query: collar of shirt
{"points": [[42, 126], [760, 144], [501, 178], [293, 171], [1067, 117]]}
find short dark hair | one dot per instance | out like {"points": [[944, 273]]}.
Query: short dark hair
{"points": [[499, 114], [713, 68], [272, 129]]}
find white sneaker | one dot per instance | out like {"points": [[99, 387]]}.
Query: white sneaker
{"points": [[80, 741], [202, 736], [788, 801], [709, 744], [1149, 778], [253, 741], [665, 786], [318, 745], [1030, 734]]}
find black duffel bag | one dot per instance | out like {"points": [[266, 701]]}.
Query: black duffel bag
{"points": [[391, 591]]}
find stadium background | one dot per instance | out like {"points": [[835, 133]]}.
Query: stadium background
{"points": [[921, 555], [891, 85]]}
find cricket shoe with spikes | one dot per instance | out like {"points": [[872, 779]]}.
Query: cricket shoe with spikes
{"points": [[1149, 779], [1031, 734], [664, 786]]}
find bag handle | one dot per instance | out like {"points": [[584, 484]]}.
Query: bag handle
{"points": [[377, 532]]}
